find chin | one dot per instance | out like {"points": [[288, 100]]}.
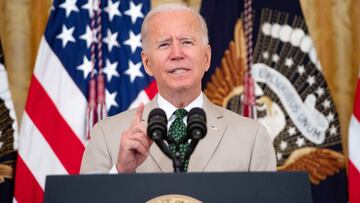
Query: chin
{"points": [[180, 87]]}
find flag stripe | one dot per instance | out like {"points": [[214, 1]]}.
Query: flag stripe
{"points": [[27, 188], [354, 140], [54, 128], [357, 101], [151, 90], [354, 183], [145, 96], [61, 88], [354, 149], [37, 154]]}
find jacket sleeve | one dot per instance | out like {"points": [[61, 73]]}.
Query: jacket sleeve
{"points": [[96, 158], [263, 154]]}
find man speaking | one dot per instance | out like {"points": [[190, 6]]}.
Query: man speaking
{"points": [[176, 52]]}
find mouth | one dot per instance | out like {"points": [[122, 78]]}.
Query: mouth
{"points": [[179, 71]]}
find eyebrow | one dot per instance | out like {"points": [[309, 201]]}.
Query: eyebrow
{"points": [[179, 38], [163, 40]]}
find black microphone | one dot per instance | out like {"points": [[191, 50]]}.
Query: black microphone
{"points": [[157, 129], [196, 128]]}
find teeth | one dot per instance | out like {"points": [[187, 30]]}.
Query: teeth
{"points": [[179, 71]]}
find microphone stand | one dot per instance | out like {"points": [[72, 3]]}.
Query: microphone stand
{"points": [[178, 163], [191, 148]]}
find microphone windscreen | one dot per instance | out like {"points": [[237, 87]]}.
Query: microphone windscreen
{"points": [[197, 111], [157, 124], [157, 129], [157, 112]]}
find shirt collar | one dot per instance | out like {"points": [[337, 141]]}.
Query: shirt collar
{"points": [[169, 108]]}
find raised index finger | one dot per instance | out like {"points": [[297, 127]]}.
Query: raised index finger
{"points": [[139, 113]]}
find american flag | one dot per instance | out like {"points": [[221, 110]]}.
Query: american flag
{"points": [[52, 136], [354, 149]]}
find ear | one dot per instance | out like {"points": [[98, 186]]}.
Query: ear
{"points": [[207, 58], [146, 62]]}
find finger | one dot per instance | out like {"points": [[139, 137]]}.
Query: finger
{"points": [[138, 128], [139, 113], [141, 138], [137, 132], [143, 129], [138, 147]]}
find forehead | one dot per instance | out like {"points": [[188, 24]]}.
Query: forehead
{"points": [[173, 23]]}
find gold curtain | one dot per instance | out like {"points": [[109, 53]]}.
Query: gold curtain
{"points": [[336, 33], [332, 24], [22, 24], [15, 37]]}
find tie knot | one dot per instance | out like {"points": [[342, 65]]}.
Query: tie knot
{"points": [[180, 113]]}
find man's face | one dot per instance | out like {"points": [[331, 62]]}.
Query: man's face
{"points": [[175, 53]]}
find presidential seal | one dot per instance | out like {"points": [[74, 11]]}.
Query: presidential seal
{"points": [[174, 198]]}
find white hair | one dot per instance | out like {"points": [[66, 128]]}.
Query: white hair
{"points": [[164, 8]]}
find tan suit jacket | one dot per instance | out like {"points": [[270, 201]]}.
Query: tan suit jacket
{"points": [[233, 143]]}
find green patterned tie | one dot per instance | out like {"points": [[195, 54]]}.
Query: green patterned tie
{"points": [[177, 135]]}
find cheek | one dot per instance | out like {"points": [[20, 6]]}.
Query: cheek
{"points": [[201, 74]]}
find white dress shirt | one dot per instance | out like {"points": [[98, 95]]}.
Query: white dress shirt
{"points": [[170, 109]]}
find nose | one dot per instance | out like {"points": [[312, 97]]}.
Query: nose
{"points": [[176, 51]]}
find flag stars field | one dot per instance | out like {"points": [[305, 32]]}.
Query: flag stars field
{"points": [[110, 100], [110, 70], [88, 37], [134, 41], [85, 67], [90, 7], [66, 35], [134, 71], [112, 9], [134, 12], [69, 6], [111, 40]]}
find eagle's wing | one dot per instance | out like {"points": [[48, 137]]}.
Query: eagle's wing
{"points": [[5, 172], [227, 80], [319, 163]]}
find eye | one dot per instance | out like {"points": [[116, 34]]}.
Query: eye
{"points": [[188, 42], [163, 45]]}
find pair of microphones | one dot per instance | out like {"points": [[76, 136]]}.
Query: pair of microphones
{"points": [[196, 130]]}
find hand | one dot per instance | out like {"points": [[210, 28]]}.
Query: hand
{"points": [[134, 145]]}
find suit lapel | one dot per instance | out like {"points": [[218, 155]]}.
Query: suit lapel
{"points": [[208, 145], [161, 160]]}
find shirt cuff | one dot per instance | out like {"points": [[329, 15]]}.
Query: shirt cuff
{"points": [[113, 170]]}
